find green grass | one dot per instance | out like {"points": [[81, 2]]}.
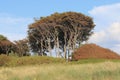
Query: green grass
{"points": [[85, 61], [90, 71]]}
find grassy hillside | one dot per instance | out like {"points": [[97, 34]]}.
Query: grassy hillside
{"points": [[91, 71], [12, 61]]}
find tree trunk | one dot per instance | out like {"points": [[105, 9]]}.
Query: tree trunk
{"points": [[58, 52], [41, 47], [65, 51], [49, 47]]}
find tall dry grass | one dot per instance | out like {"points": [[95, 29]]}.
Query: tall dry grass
{"points": [[90, 71]]}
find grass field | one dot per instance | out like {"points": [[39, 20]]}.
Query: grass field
{"points": [[90, 71], [49, 68]]}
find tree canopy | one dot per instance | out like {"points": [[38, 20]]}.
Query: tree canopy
{"points": [[5, 45], [22, 48], [60, 31]]}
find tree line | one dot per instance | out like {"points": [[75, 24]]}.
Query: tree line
{"points": [[61, 32], [18, 48]]}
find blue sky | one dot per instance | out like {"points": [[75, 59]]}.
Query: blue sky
{"points": [[37, 8], [16, 15]]}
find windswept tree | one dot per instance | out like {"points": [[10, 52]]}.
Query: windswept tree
{"points": [[6, 46], [59, 31]]}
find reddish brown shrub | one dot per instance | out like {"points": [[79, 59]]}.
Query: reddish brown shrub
{"points": [[94, 51]]}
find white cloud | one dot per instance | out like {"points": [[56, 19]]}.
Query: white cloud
{"points": [[116, 48], [98, 37], [13, 36], [14, 28], [12, 20], [107, 30], [104, 10], [105, 15], [114, 31]]}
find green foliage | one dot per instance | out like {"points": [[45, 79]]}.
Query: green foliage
{"points": [[2, 38]]}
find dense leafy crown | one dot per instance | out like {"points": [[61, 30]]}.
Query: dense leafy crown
{"points": [[70, 28]]}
